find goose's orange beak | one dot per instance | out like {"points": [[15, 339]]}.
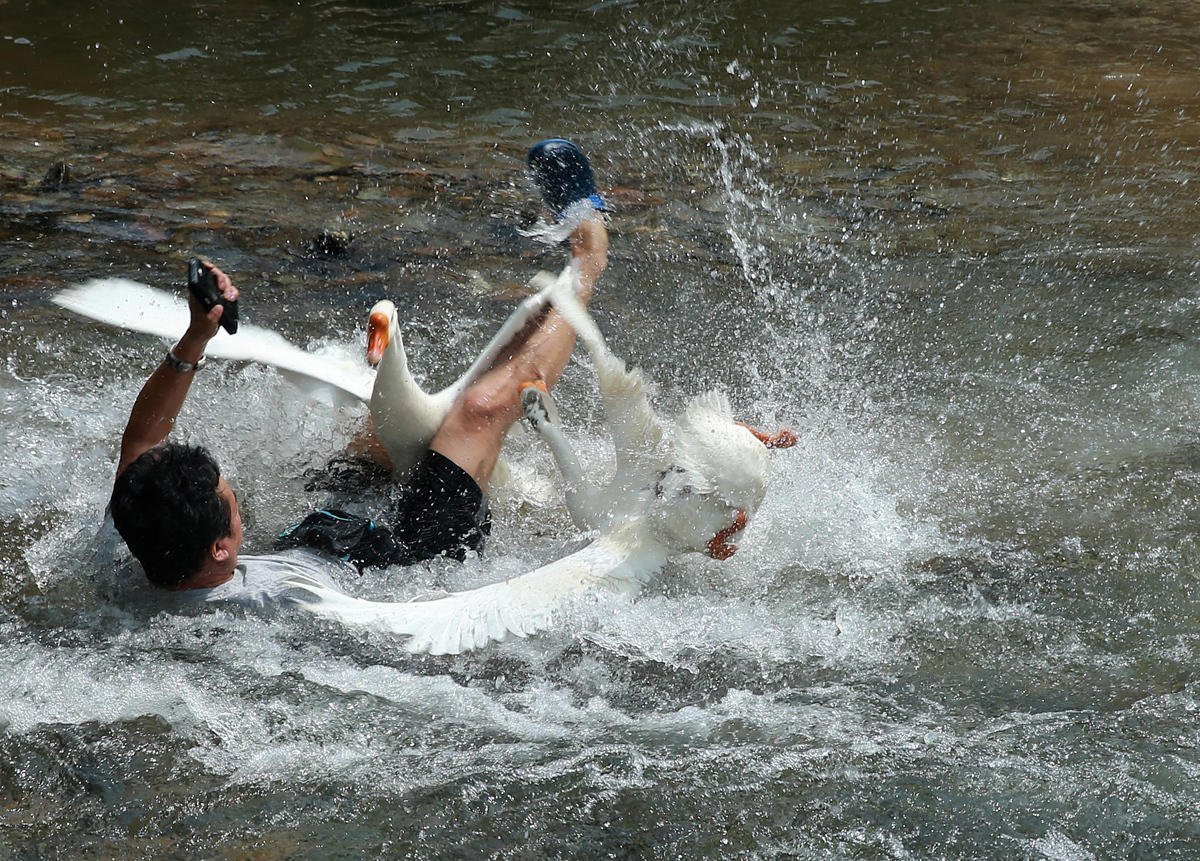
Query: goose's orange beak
{"points": [[785, 438], [377, 337], [717, 547]]}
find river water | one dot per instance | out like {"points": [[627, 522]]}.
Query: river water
{"points": [[950, 243]]}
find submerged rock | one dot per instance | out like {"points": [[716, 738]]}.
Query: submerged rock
{"points": [[56, 177], [330, 243]]}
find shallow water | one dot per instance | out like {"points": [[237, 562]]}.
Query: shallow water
{"points": [[951, 244]]}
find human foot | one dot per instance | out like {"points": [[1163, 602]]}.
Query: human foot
{"points": [[563, 174]]}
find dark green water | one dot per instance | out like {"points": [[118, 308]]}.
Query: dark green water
{"points": [[952, 244]]}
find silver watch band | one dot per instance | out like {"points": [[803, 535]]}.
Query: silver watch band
{"points": [[182, 366]]}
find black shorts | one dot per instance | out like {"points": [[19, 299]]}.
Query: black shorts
{"points": [[439, 511], [442, 511]]}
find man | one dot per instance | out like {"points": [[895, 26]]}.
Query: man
{"points": [[180, 518]]}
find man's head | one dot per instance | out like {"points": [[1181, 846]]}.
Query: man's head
{"points": [[176, 513]]}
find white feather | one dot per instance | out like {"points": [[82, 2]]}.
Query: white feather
{"points": [[618, 563], [130, 305], [724, 458]]}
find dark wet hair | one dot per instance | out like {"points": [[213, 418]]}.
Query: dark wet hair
{"points": [[166, 506]]}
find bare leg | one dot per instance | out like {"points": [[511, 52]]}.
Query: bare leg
{"points": [[474, 430], [365, 444]]}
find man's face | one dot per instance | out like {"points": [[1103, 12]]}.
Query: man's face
{"points": [[235, 516]]}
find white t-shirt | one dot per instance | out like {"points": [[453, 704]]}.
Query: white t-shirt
{"points": [[262, 581]]}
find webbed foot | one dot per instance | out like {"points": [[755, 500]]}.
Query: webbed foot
{"points": [[538, 405]]}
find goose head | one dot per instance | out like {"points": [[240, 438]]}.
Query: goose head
{"points": [[716, 483], [383, 331]]}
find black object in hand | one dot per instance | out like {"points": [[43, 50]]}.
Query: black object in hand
{"points": [[203, 284]]}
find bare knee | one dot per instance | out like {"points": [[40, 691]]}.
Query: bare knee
{"points": [[475, 427], [488, 404]]}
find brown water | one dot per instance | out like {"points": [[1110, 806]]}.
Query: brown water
{"points": [[951, 243]]}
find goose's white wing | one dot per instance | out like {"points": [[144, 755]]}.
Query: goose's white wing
{"points": [[637, 434], [524, 605], [130, 305], [636, 430]]}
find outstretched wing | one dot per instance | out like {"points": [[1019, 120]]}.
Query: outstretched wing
{"points": [[524, 605], [636, 430], [130, 305]]}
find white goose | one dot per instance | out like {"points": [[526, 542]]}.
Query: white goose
{"points": [[405, 416], [638, 438], [693, 494]]}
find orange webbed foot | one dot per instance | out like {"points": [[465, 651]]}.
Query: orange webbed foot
{"points": [[785, 438], [717, 547]]}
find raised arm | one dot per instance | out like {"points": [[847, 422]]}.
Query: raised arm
{"points": [[161, 398]]}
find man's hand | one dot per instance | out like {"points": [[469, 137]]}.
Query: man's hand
{"points": [[204, 324]]}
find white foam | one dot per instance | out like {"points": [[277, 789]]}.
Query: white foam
{"points": [[834, 500], [1056, 846]]}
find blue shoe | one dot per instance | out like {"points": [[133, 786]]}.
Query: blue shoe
{"points": [[563, 174]]}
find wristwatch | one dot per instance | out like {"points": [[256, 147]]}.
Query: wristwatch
{"points": [[182, 366]]}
